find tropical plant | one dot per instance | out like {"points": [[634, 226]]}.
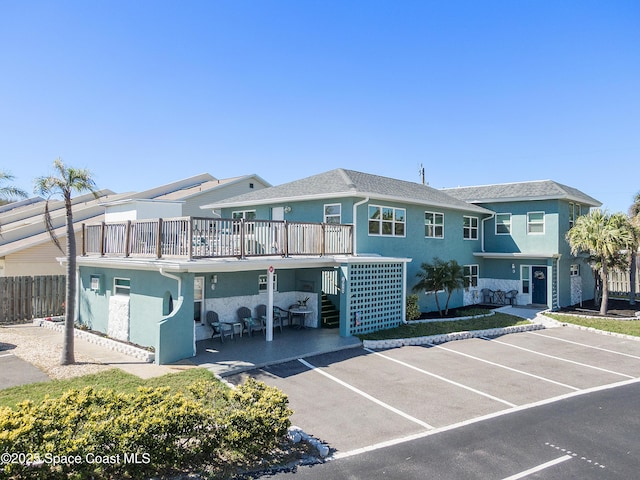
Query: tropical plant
{"points": [[9, 192], [64, 182], [634, 215], [441, 276], [607, 238]]}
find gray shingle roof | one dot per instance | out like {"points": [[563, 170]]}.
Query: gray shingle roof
{"points": [[508, 192], [350, 183]]}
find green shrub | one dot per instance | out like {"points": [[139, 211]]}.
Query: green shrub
{"points": [[153, 431], [413, 310]]}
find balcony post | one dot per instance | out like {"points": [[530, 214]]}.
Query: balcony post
{"points": [[159, 239], [102, 238], [84, 240], [242, 238], [190, 237], [286, 239], [323, 241], [127, 239]]}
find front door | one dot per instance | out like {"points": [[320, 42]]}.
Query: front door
{"points": [[539, 285]]}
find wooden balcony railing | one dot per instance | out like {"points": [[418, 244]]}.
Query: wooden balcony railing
{"points": [[197, 237]]}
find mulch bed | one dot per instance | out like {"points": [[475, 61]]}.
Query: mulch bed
{"points": [[616, 309], [457, 312]]}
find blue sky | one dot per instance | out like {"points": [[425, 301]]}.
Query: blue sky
{"points": [[145, 92]]}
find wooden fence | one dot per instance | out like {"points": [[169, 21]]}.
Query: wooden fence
{"points": [[619, 282], [24, 298]]}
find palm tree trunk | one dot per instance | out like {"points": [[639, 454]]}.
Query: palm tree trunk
{"points": [[632, 277], [438, 303], [605, 288], [68, 356]]}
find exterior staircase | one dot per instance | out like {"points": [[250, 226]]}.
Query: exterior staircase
{"points": [[330, 315]]}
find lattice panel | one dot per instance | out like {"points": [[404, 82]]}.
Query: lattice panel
{"points": [[376, 296]]}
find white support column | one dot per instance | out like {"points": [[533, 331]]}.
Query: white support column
{"points": [[269, 333]]}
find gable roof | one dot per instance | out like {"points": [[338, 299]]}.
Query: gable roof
{"points": [[23, 226], [521, 191], [349, 183]]}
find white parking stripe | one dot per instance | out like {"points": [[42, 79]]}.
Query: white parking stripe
{"points": [[526, 473], [366, 395], [434, 375], [558, 358], [7, 355], [585, 345], [471, 421], [522, 372]]}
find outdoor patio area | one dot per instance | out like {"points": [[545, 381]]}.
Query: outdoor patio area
{"points": [[245, 353]]}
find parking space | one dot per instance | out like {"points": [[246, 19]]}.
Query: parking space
{"points": [[356, 399]]}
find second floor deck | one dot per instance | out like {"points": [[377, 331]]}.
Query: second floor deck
{"points": [[199, 237]]}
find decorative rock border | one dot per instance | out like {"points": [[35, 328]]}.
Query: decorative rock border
{"points": [[448, 337], [137, 352]]}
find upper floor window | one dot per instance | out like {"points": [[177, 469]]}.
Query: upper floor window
{"points": [[386, 221], [121, 286], [246, 214], [503, 224], [333, 213], [470, 228], [471, 274], [535, 222], [433, 225], [575, 210]]}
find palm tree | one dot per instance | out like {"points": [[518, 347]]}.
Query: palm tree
{"points": [[9, 192], [605, 238], [438, 276], [634, 215], [66, 181]]}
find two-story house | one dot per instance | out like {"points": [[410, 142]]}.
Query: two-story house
{"points": [[524, 246], [353, 239]]}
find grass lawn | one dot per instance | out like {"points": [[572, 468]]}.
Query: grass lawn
{"points": [[114, 379], [628, 327], [412, 329]]}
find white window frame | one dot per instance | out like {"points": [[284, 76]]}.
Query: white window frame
{"points": [[525, 279], [328, 216], [535, 223], [574, 270], [507, 223], [122, 290], [433, 226], [262, 283], [468, 271], [575, 210], [238, 214], [471, 229], [382, 221]]}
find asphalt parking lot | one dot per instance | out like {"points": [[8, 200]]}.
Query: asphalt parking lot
{"points": [[15, 371], [359, 400]]}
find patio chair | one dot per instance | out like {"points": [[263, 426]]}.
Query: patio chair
{"points": [[280, 315], [261, 313], [218, 327], [511, 297], [251, 324], [487, 295]]}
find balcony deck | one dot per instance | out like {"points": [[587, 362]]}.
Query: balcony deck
{"points": [[199, 237]]}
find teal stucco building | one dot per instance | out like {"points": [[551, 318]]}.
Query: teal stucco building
{"points": [[346, 244]]}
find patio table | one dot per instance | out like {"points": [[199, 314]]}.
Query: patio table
{"points": [[301, 312]]}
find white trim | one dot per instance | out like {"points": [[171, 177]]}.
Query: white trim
{"points": [[471, 229], [433, 225]]}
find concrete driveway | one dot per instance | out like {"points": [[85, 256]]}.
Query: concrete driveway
{"points": [[358, 400]]}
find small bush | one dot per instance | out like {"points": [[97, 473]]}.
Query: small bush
{"points": [[136, 435], [413, 310]]}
